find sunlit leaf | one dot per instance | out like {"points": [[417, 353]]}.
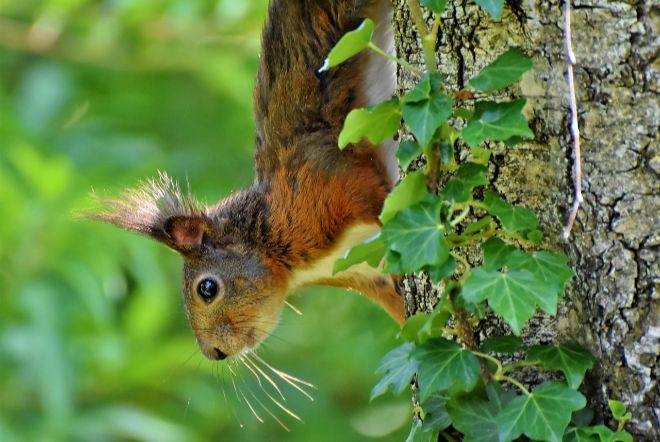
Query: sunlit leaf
{"points": [[496, 122], [349, 45], [370, 251], [506, 69], [410, 191], [376, 123]]}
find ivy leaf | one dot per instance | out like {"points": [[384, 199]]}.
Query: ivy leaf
{"points": [[371, 251], [476, 417], [459, 187], [349, 45], [513, 295], [397, 369], [551, 267], [496, 253], [408, 151], [436, 6], [435, 411], [418, 435], [497, 122], [425, 108], [543, 414], [478, 225], [438, 273], [411, 330], [480, 155], [570, 358], [417, 235], [503, 344], [506, 69], [376, 123], [492, 7], [619, 410], [410, 191], [598, 433], [444, 365], [513, 218]]}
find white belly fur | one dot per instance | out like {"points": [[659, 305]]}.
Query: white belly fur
{"points": [[322, 268]]}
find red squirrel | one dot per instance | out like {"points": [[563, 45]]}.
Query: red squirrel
{"points": [[309, 203]]}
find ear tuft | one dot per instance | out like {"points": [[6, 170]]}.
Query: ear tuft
{"points": [[157, 208]]}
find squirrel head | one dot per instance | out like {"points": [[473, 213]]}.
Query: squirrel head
{"points": [[231, 299]]}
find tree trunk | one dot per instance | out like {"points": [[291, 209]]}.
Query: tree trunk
{"points": [[612, 304]]}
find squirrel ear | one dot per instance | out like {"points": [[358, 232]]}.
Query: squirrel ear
{"points": [[185, 233], [161, 211]]}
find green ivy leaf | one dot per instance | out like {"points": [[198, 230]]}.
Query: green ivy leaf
{"points": [[349, 45], [619, 410], [478, 225], [475, 416], [425, 108], [570, 358], [513, 295], [408, 151], [496, 253], [550, 267], [376, 123], [412, 328], [492, 7], [513, 218], [497, 122], [371, 251], [438, 273], [598, 433], [436, 6], [506, 69], [435, 413], [459, 188], [417, 235], [503, 344], [419, 435], [480, 155], [397, 368], [543, 414], [410, 191], [444, 365]]}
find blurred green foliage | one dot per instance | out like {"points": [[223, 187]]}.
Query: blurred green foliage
{"points": [[94, 344]]}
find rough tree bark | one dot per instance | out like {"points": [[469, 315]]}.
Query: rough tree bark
{"points": [[613, 304]]}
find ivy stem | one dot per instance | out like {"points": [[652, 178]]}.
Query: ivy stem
{"points": [[500, 368], [428, 42], [512, 381], [514, 365], [433, 169], [461, 216], [377, 49], [464, 329]]}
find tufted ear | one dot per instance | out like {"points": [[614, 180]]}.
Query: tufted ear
{"points": [[186, 233], [161, 211]]}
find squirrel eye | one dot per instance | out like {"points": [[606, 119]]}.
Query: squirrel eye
{"points": [[207, 289]]}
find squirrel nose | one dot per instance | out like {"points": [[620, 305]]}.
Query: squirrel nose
{"points": [[219, 354]]}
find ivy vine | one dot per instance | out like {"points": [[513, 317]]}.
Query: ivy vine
{"points": [[459, 384]]}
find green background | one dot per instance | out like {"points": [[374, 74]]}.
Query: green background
{"points": [[94, 344]]}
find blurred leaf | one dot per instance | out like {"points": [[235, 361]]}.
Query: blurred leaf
{"points": [[493, 7], [410, 191], [376, 123], [397, 369]]}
